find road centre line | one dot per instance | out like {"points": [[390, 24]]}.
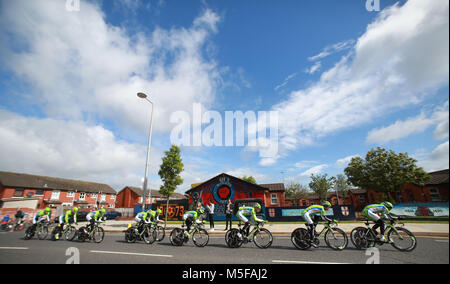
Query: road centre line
{"points": [[14, 248], [130, 253], [305, 262]]}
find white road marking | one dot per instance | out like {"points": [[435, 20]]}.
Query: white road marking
{"points": [[16, 248], [305, 262], [130, 253], [441, 241]]}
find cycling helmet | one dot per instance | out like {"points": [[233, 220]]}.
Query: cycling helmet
{"points": [[103, 210], [201, 211], [75, 209], [388, 205], [159, 211], [326, 204], [47, 209], [257, 205]]}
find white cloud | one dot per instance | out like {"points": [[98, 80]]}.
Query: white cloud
{"points": [[400, 59], [413, 125], [436, 160], [80, 66], [71, 149], [314, 170], [342, 163], [305, 164], [313, 69], [285, 81], [334, 48]]}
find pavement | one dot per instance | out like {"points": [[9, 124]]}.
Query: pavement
{"points": [[418, 229]]}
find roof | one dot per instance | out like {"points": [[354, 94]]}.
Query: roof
{"points": [[224, 174], [439, 177], [155, 193], [274, 187], [44, 182]]}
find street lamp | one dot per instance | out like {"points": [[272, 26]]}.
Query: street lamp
{"points": [[144, 187]]}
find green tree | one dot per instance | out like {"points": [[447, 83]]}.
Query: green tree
{"points": [[296, 191], [249, 179], [341, 185], [321, 184], [170, 171], [385, 172]]}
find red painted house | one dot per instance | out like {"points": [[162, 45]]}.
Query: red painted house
{"points": [[37, 192], [130, 196]]}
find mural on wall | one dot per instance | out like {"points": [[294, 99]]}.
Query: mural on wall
{"points": [[421, 209], [221, 189]]}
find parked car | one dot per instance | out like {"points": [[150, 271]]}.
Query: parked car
{"points": [[112, 215], [81, 216]]}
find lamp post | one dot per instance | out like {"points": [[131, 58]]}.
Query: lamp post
{"points": [[144, 187]]}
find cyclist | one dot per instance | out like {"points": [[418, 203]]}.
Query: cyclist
{"points": [[313, 215], [95, 216], [248, 211], [154, 215], [193, 216], [372, 211], [67, 219], [43, 215], [142, 218]]}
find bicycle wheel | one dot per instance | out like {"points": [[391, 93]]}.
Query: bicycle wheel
{"points": [[130, 237], [98, 235], [29, 233], [232, 238], [70, 233], [200, 238], [370, 238], [355, 237], [177, 237], [300, 238], [160, 233], [336, 239], [263, 239], [54, 233], [42, 232], [149, 235], [402, 239]]}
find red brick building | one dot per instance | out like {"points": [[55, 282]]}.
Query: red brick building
{"points": [[130, 196], [32, 192]]}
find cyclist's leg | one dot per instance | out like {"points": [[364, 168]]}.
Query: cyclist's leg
{"points": [[310, 225], [245, 221]]}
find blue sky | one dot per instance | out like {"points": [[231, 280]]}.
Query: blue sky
{"points": [[342, 79]]}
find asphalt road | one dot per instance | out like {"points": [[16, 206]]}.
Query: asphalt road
{"points": [[15, 250]]}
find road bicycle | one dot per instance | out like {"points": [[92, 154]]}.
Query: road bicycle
{"points": [[147, 234], [20, 224], [235, 238], [68, 233], [199, 236], [40, 228], [335, 238], [395, 234], [96, 233]]}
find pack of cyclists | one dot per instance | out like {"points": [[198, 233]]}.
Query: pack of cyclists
{"points": [[314, 214]]}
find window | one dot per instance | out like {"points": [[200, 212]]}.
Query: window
{"points": [[18, 192], [362, 199], [274, 198], [39, 192], [82, 195], [110, 205], [336, 201], [103, 197], [304, 203], [113, 196], [55, 195], [94, 195], [70, 194], [435, 195]]}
